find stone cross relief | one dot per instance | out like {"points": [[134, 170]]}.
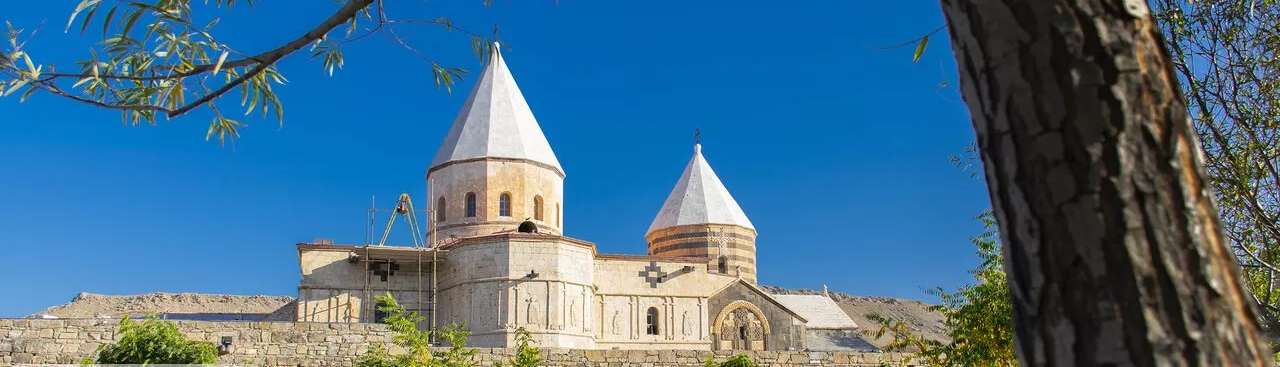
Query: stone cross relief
{"points": [[722, 244], [653, 274]]}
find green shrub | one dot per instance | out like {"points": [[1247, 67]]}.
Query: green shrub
{"points": [[153, 341], [417, 343], [740, 360], [526, 354]]}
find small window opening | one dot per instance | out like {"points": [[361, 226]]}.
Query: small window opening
{"points": [[723, 265], [504, 205], [537, 208], [471, 205], [557, 215], [651, 321], [440, 209]]}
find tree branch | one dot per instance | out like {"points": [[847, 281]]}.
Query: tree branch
{"points": [[260, 62], [266, 59]]}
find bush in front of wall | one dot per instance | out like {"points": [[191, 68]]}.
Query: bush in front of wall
{"points": [[741, 360], [153, 341]]}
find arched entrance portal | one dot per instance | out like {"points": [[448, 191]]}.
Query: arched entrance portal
{"points": [[741, 326]]}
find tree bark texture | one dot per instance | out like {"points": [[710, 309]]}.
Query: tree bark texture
{"points": [[1112, 241]]}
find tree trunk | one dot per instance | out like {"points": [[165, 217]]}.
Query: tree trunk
{"points": [[1112, 241]]}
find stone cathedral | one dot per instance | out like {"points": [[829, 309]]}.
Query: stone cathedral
{"points": [[503, 261]]}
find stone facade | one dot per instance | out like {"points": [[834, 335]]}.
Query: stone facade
{"points": [[745, 317], [535, 191], [331, 344], [498, 283], [676, 290], [736, 245], [339, 283], [558, 288]]}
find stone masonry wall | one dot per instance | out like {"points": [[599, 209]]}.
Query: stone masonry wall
{"points": [[320, 344]]}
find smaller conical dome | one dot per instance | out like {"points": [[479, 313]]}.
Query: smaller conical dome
{"points": [[699, 198]]}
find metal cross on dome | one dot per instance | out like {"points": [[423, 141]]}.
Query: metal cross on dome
{"points": [[653, 274]]}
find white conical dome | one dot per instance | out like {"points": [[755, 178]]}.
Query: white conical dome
{"points": [[496, 122], [699, 198]]}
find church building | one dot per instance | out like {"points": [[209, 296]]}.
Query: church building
{"points": [[500, 259]]}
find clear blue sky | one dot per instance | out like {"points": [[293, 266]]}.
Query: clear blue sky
{"points": [[835, 150]]}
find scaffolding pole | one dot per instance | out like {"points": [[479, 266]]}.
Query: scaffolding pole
{"points": [[421, 242]]}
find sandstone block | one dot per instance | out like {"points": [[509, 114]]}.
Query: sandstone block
{"points": [[46, 333], [595, 356], [288, 336], [817, 356], [6, 347], [636, 356], [842, 358], [667, 356], [315, 336], [353, 338], [22, 358]]}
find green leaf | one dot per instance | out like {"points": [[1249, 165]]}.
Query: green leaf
{"points": [[85, 4], [27, 94], [31, 67], [920, 49], [106, 23], [221, 59], [87, 17], [128, 23]]}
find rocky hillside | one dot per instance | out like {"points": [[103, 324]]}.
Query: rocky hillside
{"points": [[89, 305], [913, 312]]}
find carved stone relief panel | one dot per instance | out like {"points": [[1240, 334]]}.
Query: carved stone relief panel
{"points": [[741, 326], [618, 319], [686, 324]]}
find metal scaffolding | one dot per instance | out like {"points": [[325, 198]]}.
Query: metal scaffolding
{"points": [[382, 262]]}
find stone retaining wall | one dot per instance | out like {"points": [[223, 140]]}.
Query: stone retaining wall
{"points": [[323, 344]]}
